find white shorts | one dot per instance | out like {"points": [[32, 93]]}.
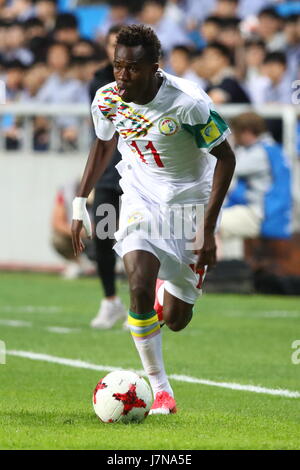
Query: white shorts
{"points": [[176, 256]]}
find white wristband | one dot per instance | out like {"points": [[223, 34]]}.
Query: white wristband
{"points": [[79, 208], [80, 213]]}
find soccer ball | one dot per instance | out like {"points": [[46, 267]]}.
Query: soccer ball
{"points": [[122, 395]]}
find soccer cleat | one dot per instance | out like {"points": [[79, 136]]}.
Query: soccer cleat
{"points": [[110, 312], [158, 303], [164, 404]]}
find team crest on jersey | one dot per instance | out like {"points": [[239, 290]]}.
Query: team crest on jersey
{"points": [[135, 217], [168, 126]]}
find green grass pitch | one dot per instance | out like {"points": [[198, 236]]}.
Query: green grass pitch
{"points": [[237, 339]]}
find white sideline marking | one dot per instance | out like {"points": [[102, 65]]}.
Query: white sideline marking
{"points": [[179, 378], [51, 329], [61, 330], [30, 309], [267, 314], [16, 323]]}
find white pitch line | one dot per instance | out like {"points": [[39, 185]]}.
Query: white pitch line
{"points": [[27, 324], [179, 378], [16, 323], [30, 309], [61, 330]]}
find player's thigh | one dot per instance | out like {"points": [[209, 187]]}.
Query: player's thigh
{"points": [[176, 312], [181, 294]]}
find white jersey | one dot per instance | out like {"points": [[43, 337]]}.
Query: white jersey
{"points": [[164, 144]]}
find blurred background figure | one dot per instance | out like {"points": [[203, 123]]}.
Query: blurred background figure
{"points": [[60, 87], [107, 191], [61, 233], [181, 64], [46, 11], [168, 31], [121, 12], [260, 202], [66, 29], [222, 87]]}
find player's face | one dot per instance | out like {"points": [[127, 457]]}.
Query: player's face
{"points": [[133, 73]]}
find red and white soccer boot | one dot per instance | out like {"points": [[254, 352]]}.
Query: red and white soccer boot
{"points": [[164, 404], [159, 298]]}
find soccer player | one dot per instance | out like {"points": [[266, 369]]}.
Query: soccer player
{"points": [[168, 129]]}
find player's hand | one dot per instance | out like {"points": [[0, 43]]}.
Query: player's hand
{"points": [[81, 219], [76, 229], [207, 256]]}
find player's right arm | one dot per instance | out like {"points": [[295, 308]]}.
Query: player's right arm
{"points": [[100, 154], [99, 157]]}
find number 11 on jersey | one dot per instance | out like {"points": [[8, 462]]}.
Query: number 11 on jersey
{"points": [[149, 146]]}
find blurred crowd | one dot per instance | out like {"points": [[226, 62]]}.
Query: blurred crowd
{"points": [[239, 51]]}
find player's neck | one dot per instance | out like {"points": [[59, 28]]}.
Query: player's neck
{"points": [[153, 90]]}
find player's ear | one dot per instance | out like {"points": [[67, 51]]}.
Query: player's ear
{"points": [[155, 68]]}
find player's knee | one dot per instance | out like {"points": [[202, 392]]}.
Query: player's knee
{"points": [[142, 296], [175, 326], [179, 322]]}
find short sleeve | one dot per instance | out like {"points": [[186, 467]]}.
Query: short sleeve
{"points": [[104, 128], [207, 127]]}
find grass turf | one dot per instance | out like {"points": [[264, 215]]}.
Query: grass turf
{"points": [[243, 339]]}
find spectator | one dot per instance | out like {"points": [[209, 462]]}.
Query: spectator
{"points": [[18, 10], [120, 13], [230, 34], [169, 33], [210, 28], [181, 64], [259, 204], [61, 88], [66, 29], [33, 80], [270, 29], [33, 28], [84, 48], [61, 232], [279, 89], [226, 8], [196, 11], [251, 70], [11, 128], [223, 87], [248, 8], [46, 11], [292, 40], [14, 44]]}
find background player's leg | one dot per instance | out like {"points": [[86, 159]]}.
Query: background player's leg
{"points": [[142, 269], [111, 308]]}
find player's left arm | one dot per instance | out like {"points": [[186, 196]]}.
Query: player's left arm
{"points": [[223, 173]]}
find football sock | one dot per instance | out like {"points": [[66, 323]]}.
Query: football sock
{"points": [[145, 331]]}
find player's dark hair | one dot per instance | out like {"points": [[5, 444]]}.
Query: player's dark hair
{"points": [[141, 35], [115, 29], [275, 57]]}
